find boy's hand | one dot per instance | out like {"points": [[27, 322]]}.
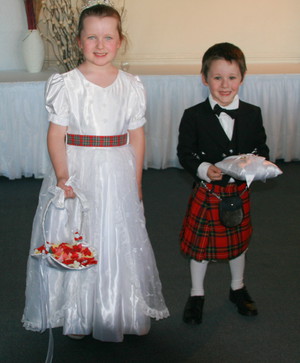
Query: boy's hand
{"points": [[214, 173]]}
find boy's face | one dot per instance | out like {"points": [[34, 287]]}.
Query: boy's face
{"points": [[223, 79]]}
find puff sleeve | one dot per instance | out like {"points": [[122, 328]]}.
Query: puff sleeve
{"points": [[137, 104], [57, 103]]}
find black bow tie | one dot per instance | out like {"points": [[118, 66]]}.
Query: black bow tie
{"points": [[217, 110]]}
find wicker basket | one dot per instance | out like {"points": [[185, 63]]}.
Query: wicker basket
{"points": [[71, 255]]}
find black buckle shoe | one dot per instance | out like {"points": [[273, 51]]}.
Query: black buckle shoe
{"points": [[243, 301], [192, 313]]}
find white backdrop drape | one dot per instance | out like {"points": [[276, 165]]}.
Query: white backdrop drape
{"points": [[23, 119]]}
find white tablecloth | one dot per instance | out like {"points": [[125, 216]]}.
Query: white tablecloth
{"points": [[23, 119]]}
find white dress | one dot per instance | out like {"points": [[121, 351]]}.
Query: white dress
{"points": [[120, 294]]}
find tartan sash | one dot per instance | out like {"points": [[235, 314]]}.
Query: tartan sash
{"points": [[98, 141]]}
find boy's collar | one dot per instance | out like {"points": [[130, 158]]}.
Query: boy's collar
{"points": [[232, 106]]}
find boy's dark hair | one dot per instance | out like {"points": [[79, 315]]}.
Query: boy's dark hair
{"points": [[227, 51], [101, 11]]}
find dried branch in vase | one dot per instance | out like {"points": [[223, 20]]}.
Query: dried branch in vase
{"points": [[61, 19], [37, 6]]}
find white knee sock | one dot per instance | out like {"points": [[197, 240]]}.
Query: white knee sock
{"points": [[237, 267], [198, 270]]}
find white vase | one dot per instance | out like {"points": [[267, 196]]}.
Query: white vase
{"points": [[33, 51]]}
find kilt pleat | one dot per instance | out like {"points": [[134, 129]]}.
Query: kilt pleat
{"points": [[202, 236]]}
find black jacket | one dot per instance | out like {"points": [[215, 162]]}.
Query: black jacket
{"points": [[202, 138]]}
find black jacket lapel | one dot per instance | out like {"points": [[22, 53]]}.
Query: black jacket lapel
{"points": [[215, 129]]}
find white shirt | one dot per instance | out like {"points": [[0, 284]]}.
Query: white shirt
{"points": [[227, 124]]}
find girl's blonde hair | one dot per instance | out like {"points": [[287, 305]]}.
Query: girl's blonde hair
{"points": [[101, 11]]}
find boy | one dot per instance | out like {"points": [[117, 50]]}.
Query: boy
{"points": [[210, 131]]}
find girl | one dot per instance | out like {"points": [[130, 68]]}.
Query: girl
{"points": [[99, 111]]}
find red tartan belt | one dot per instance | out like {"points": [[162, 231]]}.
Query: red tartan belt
{"points": [[92, 140]]}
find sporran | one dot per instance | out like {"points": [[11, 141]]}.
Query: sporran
{"points": [[231, 211], [230, 208]]}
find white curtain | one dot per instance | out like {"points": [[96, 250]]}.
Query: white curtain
{"points": [[23, 119]]}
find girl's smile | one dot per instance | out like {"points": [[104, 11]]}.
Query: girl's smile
{"points": [[223, 79]]}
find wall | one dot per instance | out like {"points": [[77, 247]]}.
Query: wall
{"points": [[178, 32], [173, 34], [13, 27]]}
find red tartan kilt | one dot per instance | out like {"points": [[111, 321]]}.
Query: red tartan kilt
{"points": [[203, 237]]}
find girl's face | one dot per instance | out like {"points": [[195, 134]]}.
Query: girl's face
{"points": [[99, 40], [223, 79]]}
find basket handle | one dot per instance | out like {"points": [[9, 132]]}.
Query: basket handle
{"points": [[59, 202]]}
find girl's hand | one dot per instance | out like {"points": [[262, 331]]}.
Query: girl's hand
{"points": [[214, 173], [140, 191], [69, 192]]}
